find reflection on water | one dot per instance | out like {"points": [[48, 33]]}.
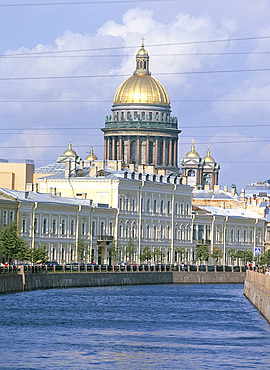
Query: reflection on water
{"points": [[157, 326]]}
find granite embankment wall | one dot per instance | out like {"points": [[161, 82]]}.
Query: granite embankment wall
{"points": [[32, 281], [257, 290]]}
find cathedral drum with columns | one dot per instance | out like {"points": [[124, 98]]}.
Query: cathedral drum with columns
{"points": [[141, 130]]}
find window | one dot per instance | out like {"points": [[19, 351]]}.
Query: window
{"points": [[155, 232], [121, 231], [187, 209], [176, 233], [161, 206], [72, 227], [83, 228], [121, 204], [122, 116], [238, 236], [176, 209], [155, 206], [245, 236], [142, 205], [24, 225], [157, 116], [133, 231], [93, 228], [35, 226], [161, 233], [194, 232], [232, 235], [143, 116], [53, 254], [150, 116], [168, 232], [54, 226], [62, 254], [102, 229], [251, 236], [135, 115], [200, 232], [147, 232], [11, 216], [111, 229], [72, 254], [5, 218], [168, 207], [133, 205], [127, 204], [182, 233], [44, 230], [218, 233], [188, 232], [182, 209], [63, 227], [148, 205], [127, 230]]}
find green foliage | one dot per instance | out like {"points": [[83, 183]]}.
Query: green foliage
{"points": [[231, 254], [159, 255], [217, 253], [38, 254], [181, 252], [265, 258], [146, 255], [245, 256], [202, 253], [130, 250], [115, 251], [82, 249], [12, 246]]}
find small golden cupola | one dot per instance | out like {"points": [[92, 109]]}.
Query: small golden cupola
{"points": [[192, 153], [70, 152], [142, 60], [91, 156], [208, 158]]}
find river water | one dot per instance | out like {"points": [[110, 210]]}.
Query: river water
{"points": [[140, 327]]}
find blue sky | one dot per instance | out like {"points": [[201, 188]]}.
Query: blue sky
{"points": [[230, 111]]}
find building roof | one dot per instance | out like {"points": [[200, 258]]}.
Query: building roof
{"points": [[231, 212], [218, 195]]}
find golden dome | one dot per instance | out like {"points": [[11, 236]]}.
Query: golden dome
{"points": [[91, 156], [70, 152], [208, 158], [141, 87], [193, 153]]}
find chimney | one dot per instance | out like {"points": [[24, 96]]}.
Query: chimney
{"points": [[216, 187], [226, 189], [243, 195], [67, 169], [93, 171], [26, 194], [81, 165], [233, 192]]}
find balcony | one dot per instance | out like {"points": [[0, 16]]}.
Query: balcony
{"points": [[104, 238], [203, 242]]}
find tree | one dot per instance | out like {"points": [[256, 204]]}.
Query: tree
{"points": [[146, 255], [159, 255], [216, 253], [130, 250], [245, 256], [82, 249], [38, 254], [115, 251], [202, 253], [231, 254], [11, 245], [265, 258], [181, 252]]}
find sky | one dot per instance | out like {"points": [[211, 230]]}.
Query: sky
{"points": [[61, 64]]}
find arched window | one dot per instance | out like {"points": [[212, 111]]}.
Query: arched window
{"points": [[155, 232], [148, 205], [127, 204], [121, 204], [133, 230], [54, 226], [168, 207], [63, 227], [140, 64], [62, 254], [127, 230], [161, 233], [251, 236], [168, 232], [188, 233], [182, 233], [187, 209], [133, 205], [176, 233], [161, 206], [72, 227], [245, 236], [176, 209], [155, 206], [238, 236], [83, 228], [182, 209], [232, 235], [44, 231], [121, 231], [145, 64], [147, 232], [191, 173]]}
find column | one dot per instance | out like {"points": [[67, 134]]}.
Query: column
{"points": [[138, 150], [108, 148], [105, 149], [175, 153], [128, 150], [170, 152], [164, 152], [120, 148], [156, 151], [113, 148], [147, 151]]}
